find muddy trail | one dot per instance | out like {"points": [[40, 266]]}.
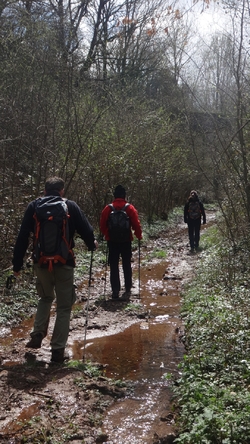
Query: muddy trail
{"points": [[125, 397]]}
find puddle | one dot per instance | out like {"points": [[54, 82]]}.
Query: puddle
{"points": [[139, 419], [12, 426], [145, 353], [22, 331], [140, 350]]}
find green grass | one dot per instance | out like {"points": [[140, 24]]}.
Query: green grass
{"points": [[213, 390], [86, 367], [132, 307]]}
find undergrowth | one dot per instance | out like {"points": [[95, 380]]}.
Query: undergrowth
{"points": [[17, 301], [213, 391]]}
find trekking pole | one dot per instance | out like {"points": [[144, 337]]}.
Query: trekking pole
{"points": [[87, 309], [139, 265], [106, 269]]}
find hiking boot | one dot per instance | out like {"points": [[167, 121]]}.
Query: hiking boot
{"points": [[115, 295], [58, 356], [126, 295], [36, 341]]}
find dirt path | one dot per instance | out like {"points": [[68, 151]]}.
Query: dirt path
{"points": [[44, 403]]}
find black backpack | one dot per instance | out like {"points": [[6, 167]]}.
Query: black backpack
{"points": [[119, 224], [51, 234], [194, 209]]}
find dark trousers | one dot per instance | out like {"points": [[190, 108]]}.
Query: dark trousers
{"points": [[194, 227], [117, 249]]}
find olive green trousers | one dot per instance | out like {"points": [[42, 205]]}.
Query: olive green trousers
{"points": [[57, 285]]}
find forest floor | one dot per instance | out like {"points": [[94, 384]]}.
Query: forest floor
{"points": [[42, 402]]}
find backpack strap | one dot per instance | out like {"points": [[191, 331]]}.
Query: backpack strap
{"points": [[122, 209], [125, 206]]}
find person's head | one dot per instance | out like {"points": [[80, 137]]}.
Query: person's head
{"points": [[119, 192], [54, 184], [193, 195]]}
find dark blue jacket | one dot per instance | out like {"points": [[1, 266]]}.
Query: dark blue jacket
{"points": [[77, 223], [187, 219]]}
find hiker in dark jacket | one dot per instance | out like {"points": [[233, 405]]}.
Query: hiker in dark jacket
{"points": [[193, 211], [59, 282], [123, 249]]}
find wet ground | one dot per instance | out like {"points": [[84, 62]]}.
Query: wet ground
{"points": [[136, 341]]}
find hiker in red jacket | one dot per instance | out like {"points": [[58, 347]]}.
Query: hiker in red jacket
{"points": [[193, 211], [120, 247]]}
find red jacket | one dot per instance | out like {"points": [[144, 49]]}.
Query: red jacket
{"points": [[131, 212]]}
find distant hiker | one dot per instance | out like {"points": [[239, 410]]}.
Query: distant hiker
{"points": [[116, 222], [53, 222], [193, 211]]}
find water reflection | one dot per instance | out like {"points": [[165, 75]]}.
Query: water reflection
{"points": [[136, 419], [143, 350], [138, 352]]}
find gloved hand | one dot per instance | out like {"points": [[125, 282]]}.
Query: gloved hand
{"points": [[10, 280]]}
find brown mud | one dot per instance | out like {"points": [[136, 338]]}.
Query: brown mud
{"points": [[135, 345]]}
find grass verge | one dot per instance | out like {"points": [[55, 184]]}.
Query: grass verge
{"points": [[213, 391]]}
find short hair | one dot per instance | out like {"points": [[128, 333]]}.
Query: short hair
{"points": [[54, 184]]}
